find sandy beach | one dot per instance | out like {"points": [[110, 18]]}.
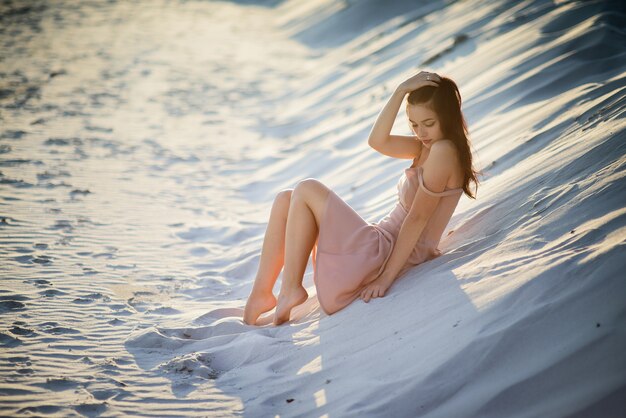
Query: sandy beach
{"points": [[142, 144]]}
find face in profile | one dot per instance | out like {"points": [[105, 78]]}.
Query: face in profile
{"points": [[425, 124]]}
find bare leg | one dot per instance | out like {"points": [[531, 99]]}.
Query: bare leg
{"points": [[261, 298], [300, 236]]}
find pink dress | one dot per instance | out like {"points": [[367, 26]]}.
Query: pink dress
{"points": [[350, 251]]}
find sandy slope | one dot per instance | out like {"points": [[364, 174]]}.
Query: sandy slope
{"points": [[141, 147]]}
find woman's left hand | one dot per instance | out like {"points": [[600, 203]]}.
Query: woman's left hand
{"points": [[375, 289]]}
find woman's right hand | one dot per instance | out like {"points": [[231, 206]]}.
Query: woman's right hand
{"points": [[421, 79]]}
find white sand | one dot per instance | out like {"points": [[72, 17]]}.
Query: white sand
{"points": [[141, 146]]}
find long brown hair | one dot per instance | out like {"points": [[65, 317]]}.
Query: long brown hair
{"points": [[445, 101]]}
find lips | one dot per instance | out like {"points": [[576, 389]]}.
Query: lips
{"points": [[426, 141]]}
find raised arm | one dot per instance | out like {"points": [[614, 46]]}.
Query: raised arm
{"points": [[380, 138]]}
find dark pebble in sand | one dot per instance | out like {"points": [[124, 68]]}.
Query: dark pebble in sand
{"points": [[3, 221], [597, 325], [57, 73], [289, 400], [78, 191], [460, 38]]}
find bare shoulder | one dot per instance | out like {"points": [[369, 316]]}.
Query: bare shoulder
{"points": [[443, 152], [442, 168]]}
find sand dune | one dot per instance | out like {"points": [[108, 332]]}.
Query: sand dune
{"points": [[141, 146]]}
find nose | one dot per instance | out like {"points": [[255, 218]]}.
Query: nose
{"points": [[421, 133]]}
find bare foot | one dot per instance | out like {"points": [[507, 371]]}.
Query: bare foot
{"points": [[257, 304], [286, 301]]}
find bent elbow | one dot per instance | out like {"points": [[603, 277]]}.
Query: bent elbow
{"points": [[375, 142]]}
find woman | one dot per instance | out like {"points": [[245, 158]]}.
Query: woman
{"points": [[351, 257]]}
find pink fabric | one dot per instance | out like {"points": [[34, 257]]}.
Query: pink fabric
{"points": [[350, 251]]}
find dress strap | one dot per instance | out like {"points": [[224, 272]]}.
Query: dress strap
{"points": [[444, 193]]}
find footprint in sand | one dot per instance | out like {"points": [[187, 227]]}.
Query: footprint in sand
{"points": [[91, 409], [9, 341], [39, 282], [10, 303], [221, 327], [40, 410], [218, 313], [55, 328], [17, 330], [193, 364], [58, 384], [90, 298], [106, 394], [42, 259]]}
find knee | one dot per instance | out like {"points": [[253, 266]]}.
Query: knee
{"points": [[283, 198], [305, 186]]}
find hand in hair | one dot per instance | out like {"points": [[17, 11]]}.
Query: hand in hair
{"points": [[421, 79]]}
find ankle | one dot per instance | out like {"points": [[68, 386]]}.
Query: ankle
{"points": [[289, 289], [262, 291]]}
